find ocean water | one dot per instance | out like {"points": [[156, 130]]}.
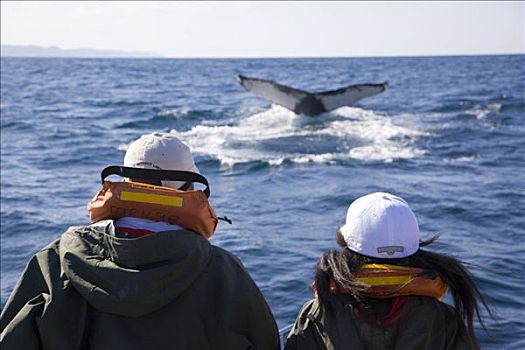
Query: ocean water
{"points": [[448, 136]]}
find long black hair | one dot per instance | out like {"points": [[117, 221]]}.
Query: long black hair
{"points": [[340, 266]]}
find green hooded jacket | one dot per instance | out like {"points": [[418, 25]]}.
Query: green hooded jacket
{"points": [[168, 290], [423, 324]]}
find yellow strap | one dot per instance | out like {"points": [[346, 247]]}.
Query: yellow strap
{"points": [[150, 198], [385, 281], [385, 267]]}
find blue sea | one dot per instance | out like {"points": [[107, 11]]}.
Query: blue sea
{"points": [[448, 136]]}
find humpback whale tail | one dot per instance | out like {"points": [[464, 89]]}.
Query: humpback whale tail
{"points": [[310, 104]]}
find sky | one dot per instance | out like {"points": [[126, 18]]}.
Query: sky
{"points": [[270, 29]]}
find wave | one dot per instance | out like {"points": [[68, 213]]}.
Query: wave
{"points": [[482, 111], [460, 159], [17, 125], [277, 135], [470, 107], [181, 113], [166, 118]]}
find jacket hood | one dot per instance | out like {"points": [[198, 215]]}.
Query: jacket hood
{"points": [[131, 277]]}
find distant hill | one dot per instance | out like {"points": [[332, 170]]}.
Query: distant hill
{"points": [[53, 51]]}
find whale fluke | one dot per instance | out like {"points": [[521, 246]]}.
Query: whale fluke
{"points": [[307, 103]]}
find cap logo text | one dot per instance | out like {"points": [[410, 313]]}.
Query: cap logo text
{"points": [[391, 250]]}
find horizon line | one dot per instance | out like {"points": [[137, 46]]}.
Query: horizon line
{"points": [[269, 57]]}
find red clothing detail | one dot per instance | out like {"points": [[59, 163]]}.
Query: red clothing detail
{"points": [[395, 310], [134, 232]]}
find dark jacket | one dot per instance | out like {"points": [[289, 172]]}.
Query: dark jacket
{"points": [[169, 290], [423, 323]]}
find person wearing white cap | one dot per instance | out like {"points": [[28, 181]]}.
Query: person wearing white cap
{"points": [[135, 283], [160, 151], [382, 291]]}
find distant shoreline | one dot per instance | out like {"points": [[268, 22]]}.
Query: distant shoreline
{"points": [[33, 51], [27, 51]]}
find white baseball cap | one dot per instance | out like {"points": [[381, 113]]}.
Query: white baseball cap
{"points": [[160, 150], [381, 225]]}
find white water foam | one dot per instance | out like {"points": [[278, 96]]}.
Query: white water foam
{"points": [[385, 141], [175, 112], [460, 160], [233, 144], [360, 134], [326, 158], [481, 112]]}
